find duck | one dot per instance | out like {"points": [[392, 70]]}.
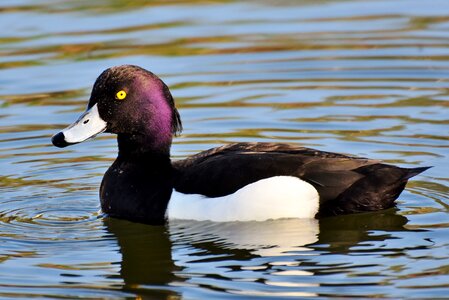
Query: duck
{"points": [[253, 181]]}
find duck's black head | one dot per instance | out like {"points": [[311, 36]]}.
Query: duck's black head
{"points": [[132, 103]]}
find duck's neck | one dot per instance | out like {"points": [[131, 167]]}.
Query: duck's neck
{"points": [[139, 183], [143, 145]]}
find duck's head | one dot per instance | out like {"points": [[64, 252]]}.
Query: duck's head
{"points": [[132, 103]]}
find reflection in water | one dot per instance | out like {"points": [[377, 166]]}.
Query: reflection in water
{"points": [[271, 258], [251, 250], [339, 235], [269, 238], [146, 266]]}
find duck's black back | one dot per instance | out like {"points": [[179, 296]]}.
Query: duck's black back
{"points": [[345, 184]]}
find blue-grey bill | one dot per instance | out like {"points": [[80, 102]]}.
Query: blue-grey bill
{"points": [[87, 126]]}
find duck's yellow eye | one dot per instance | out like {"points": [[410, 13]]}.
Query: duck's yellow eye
{"points": [[120, 95]]}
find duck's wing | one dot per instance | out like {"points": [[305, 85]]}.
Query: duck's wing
{"points": [[224, 170], [345, 184]]}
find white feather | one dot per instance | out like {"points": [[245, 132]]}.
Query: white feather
{"points": [[271, 198]]}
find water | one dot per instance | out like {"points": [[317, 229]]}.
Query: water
{"points": [[363, 77]]}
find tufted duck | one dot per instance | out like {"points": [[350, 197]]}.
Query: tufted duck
{"points": [[236, 182]]}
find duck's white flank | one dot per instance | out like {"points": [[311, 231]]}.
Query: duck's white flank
{"points": [[271, 198]]}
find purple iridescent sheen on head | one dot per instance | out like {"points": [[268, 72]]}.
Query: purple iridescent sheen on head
{"points": [[159, 112]]}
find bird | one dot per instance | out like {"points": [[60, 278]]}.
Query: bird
{"points": [[254, 181]]}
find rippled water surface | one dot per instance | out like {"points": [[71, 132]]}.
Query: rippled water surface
{"points": [[369, 78]]}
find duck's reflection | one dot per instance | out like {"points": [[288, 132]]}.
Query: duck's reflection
{"points": [[269, 238], [161, 262], [339, 233], [147, 266]]}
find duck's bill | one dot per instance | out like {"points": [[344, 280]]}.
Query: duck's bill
{"points": [[87, 126]]}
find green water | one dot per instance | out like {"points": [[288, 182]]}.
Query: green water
{"points": [[368, 78]]}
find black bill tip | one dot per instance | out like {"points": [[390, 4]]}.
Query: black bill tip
{"points": [[59, 140]]}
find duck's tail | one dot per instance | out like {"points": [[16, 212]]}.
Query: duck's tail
{"points": [[380, 186], [414, 171]]}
